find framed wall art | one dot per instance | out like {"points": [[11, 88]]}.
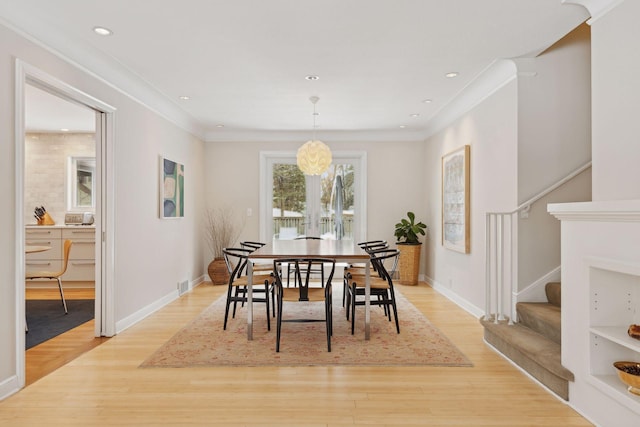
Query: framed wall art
{"points": [[456, 200], [171, 189]]}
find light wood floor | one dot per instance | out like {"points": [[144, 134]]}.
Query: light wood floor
{"points": [[105, 387], [45, 358]]}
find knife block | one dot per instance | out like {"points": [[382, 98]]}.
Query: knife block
{"points": [[46, 220]]}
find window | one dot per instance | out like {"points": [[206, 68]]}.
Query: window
{"points": [[81, 184]]}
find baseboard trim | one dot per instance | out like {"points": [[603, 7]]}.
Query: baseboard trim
{"points": [[8, 387], [535, 292], [455, 298], [134, 318]]}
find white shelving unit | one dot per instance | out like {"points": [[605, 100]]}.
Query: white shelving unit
{"points": [[614, 293]]}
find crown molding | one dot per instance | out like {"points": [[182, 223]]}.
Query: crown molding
{"points": [[597, 8], [493, 78], [99, 66], [400, 135]]}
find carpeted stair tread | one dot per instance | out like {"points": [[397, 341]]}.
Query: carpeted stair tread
{"points": [[536, 354], [552, 290], [542, 317]]}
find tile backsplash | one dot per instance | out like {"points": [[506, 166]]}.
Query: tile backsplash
{"points": [[46, 159]]}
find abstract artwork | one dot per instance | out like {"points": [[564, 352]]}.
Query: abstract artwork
{"points": [[171, 189], [455, 200]]}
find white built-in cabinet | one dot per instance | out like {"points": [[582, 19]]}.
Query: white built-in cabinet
{"points": [[600, 300], [81, 266], [614, 291]]}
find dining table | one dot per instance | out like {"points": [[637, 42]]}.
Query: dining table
{"points": [[346, 251]]}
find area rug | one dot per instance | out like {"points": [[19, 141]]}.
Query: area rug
{"points": [[46, 318], [203, 342]]}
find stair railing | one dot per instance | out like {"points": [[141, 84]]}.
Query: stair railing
{"points": [[498, 246]]}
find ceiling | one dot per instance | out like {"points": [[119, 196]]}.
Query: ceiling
{"points": [[243, 63]]}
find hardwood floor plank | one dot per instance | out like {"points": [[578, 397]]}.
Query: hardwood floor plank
{"points": [[105, 386]]}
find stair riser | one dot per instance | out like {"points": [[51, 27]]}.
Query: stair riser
{"points": [[550, 329], [554, 383]]}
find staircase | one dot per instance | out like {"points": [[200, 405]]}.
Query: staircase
{"points": [[534, 342]]}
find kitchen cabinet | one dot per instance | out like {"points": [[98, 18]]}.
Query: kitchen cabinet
{"points": [[81, 266]]}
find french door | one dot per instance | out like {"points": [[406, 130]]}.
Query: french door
{"points": [[329, 206]]}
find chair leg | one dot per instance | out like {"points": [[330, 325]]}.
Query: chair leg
{"points": [[226, 310], [327, 314], [236, 298], [353, 308], [395, 310], [64, 302], [347, 309], [266, 300], [279, 321]]}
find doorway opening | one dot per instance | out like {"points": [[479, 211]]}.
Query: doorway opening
{"points": [[63, 141]]}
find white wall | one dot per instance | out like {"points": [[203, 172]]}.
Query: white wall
{"points": [[539, 235], [396, 172], [554, 140], [491, 130], [554, 113], [616, 90], [151, 255]]}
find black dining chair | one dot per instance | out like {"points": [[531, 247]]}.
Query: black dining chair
{"points": [[236, 260], [260, 269], [304, 292], [359, 268], [315, 270], [384, 262]]}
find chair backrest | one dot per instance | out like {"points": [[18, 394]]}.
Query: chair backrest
{"points": [[385, 262], [372, 247], [236, 261], [364, 245], [65, 251], [247, 244], [303, 267]]}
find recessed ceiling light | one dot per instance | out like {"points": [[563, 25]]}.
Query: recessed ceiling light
{"points": [[185, 97], [402, 126], [427, 101], [414, 115], [451, 74], [219, 126], [103, 31], [312, 77]]}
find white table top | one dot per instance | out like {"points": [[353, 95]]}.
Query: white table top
{"points": [[29, 249]]}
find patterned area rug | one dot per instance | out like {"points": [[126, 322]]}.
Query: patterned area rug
{"points": [[203, 342]]}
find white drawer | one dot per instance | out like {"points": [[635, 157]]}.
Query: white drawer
{"points": [[42, 233], [79, 233], [80, 270], [49, 265], [82, 250], [54, 253]]}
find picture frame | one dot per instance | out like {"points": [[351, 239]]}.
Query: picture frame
{"points": [[456, 200], [171, 204]]}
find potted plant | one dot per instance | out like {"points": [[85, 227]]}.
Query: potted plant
{"points": [[407, 232], [221, 231]]}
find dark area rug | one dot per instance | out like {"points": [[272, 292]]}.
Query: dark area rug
{"points": [[46, 318]]}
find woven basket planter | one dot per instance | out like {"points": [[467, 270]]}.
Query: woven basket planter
{"points": [[409, 263], [218, 272]]}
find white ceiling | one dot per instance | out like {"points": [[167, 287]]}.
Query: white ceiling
{"points": [[243, 62], [45, 112]]}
